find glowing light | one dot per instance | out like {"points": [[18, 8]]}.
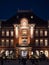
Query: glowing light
{"points": [[24, 22], [46, 53], [23, 53], [45, 33], [2, 51], [31, 17], [16, 31], [32, 30], [7, 53], [22, 48], [37, 52], [31, 53]]}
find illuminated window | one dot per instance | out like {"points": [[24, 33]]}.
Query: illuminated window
{"points": [[36, 42], [2, 51], [3, 33], [12, 33], [23, 53], [12, 41], [24, 32], [36, 32], [45, 33], [32, 53], [7, 33], [46, 53], [3, 41], [7, 52], [41, 42], [7, 42], [41, 32], [11, 51], [37, 52], [46, 42]]}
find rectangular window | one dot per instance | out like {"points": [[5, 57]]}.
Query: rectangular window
{"points": [[46, 42], [3, 32], [12, 33], [2, 41], [45, 33], [7, 33], [41, 42], [41, 32], [24, 33], [12, 41], [37, 42], [36, 32], [7, 42]]}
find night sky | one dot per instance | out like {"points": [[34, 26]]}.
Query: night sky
{"points": [[8, 8]]}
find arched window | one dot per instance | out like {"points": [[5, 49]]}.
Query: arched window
{"points": [[37, 52], [46, 53]]}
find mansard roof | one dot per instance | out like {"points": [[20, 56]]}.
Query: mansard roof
{"points": [[27, 14]]}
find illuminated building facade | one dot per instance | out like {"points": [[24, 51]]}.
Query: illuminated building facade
{"points": [[24, 35]]}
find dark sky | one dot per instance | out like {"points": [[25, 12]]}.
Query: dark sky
{"points": [[8, 8]]}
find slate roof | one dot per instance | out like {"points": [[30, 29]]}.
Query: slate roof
{"points": [[27, 14]]}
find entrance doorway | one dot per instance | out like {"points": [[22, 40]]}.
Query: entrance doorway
{"points": [[23, 53]]}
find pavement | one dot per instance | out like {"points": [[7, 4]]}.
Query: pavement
{"points": [[22, 62]]}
